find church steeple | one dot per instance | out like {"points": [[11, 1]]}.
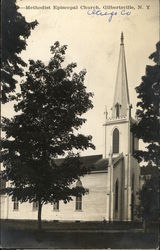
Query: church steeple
{"points": [[121, 101]]}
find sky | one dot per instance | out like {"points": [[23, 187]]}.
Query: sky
{"points": [[93, 43]]}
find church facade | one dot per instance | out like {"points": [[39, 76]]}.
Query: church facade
{"points": [[115, 180]]}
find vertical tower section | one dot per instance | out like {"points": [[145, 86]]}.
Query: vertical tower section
{"points": [[120, 143], [117, 132]]}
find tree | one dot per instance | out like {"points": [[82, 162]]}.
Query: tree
{"points": [[15, 31], [148, 129], [52, 102], [148, 208]]}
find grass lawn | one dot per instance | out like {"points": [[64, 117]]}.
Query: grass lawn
{"points": [[54, 225], [23, 234]]}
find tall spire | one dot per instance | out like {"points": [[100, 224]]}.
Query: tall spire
{"points": [[121, 95]]}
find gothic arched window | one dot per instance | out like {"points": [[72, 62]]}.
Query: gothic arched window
{"points": [[116, 196], [115, 141], [15, 204], [78, 197], [35, 205], [56, 205], [79, 202]]}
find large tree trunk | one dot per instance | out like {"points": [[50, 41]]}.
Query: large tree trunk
{"points": [[39, 215]]}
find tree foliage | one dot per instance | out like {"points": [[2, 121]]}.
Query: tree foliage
{"points": [[147, 128], [15, 31], [148, 209], [50, 108], [148, 112]]}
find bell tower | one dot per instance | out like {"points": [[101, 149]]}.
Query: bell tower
{"points": [[118, 135], [119, 145]]}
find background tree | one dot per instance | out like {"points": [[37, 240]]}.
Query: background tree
{"points": [[52, 102], [15, 31], [148, 208], [148, 129]]}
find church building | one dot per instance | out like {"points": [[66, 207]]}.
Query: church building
{"points": [[114, 181]]}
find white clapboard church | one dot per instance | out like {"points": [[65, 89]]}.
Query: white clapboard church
{"points": [[114, 182]]}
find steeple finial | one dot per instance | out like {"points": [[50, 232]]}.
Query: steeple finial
{"points": [[122, 38]]}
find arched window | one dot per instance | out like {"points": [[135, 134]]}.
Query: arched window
{"points": [[78, 198], [55, 205], [15, 204], [115, 141], [35, 205], [116, 196], [79, 202]]}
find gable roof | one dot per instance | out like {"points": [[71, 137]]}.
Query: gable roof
{"points": [[94, 161]]}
